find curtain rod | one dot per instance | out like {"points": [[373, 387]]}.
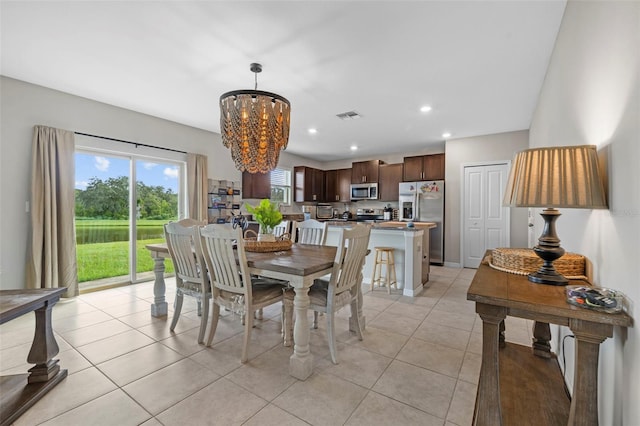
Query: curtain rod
{"points": [[137, 144]]}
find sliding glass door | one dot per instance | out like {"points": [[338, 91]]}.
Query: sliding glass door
{"points": [[122, 203]]}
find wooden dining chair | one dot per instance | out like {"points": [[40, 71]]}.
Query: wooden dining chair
{"points": [[340, 289], [282, 229], [309, 232], [233, 286], [191, 277]]}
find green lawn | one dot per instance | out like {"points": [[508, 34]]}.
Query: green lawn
{"points": [[111, 259]]}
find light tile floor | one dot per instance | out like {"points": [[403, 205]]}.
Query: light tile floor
{"points": [[417, 365]]}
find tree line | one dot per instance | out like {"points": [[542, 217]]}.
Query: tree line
{"points": [[109, 199]]}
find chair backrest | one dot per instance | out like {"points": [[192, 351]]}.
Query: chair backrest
{"points": [[188, 222], [187, 261], [350, 257], [281, 229], [227, 273], [309, 232]]}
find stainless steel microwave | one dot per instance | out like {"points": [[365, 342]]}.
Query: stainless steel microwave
{"points": [[364, 191]]}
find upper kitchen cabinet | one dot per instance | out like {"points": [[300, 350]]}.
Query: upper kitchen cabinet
{"points": [[256, 185], [423, 167], [344, 184], [337, 184], [390, 178], [365, 171], [308, 184]]}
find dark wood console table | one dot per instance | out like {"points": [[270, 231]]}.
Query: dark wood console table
{"points": [[498, 294], [21, 391]]}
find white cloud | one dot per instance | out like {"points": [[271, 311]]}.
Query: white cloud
{"points": [[148, 165], [101, 164], [171, 173], [81, 184]]}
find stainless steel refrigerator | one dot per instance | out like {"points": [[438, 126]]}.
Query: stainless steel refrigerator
{"points": [[424, 202]]}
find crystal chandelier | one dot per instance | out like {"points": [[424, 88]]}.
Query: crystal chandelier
{"points": [[255, 126]]}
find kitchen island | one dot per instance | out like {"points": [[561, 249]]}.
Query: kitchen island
{"points": [[411, 250]]}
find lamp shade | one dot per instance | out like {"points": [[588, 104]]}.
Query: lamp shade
{"points": [[561, 176]]}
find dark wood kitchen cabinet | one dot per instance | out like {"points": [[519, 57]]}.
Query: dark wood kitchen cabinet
{"points": [[337, 185], [365, 171], [344, 185], [390, 177], [256, 185], [424, 167], [330, 186], [308, 184]]}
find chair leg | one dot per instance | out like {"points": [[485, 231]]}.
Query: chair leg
{"points": [[315, 320], [199, 307], [247, 337], [204, 317], [287, 323], [354, 314], [331, 335], [215, 315], [176, 313]]}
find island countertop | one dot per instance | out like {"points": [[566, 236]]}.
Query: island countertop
{"points": [[389, 225]]}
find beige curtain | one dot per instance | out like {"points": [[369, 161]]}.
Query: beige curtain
{"points": [[197, 186], [52, 259]]}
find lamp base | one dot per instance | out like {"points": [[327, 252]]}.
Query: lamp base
{"points": [[543, 277], [548, 249]]}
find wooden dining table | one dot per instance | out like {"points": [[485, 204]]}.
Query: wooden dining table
{"points": [[300, 266]]}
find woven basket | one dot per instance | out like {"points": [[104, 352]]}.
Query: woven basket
{"points": [[524, 261], [252, 244]]}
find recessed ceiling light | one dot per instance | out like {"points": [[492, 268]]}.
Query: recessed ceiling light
{"points": [[446, 135], [313, 131], [354, 148], [425, 108]]}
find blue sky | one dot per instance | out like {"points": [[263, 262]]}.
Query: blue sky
{"points": [[104, 167]]}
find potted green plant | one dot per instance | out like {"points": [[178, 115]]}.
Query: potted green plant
{"points": [[267, 215]]}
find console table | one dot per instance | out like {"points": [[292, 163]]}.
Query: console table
{"points": [[498, 294], [19, 392]]}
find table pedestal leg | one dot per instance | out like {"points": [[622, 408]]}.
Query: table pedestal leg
{"points": [[488, 411], [584, 404], [159, 307], [44, 348], [301, 362], [541, 339]]}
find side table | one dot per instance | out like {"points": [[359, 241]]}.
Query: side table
{"points": [[21, 391], [498, 294]]}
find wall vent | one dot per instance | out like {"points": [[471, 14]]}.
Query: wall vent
{"points": [[349, 115]]}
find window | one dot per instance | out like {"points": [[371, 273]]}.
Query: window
{"points": [[281, 186], [122, 201]]}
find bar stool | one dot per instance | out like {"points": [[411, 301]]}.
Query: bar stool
{"points": [[384, 256]]}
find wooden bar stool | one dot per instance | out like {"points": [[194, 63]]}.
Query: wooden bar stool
{"points": [[384, 256]]}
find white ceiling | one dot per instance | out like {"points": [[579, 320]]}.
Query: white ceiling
{"points": [[479, 64]]}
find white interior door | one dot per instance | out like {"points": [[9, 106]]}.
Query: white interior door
{"points": [[485, 220]]}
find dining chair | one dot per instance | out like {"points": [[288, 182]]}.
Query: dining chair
{"points": [[189, 222], [281, 229], [191, 277], [309, 232], [233, 286], [341, 288]]}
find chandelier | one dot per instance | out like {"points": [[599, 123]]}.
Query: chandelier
{"points": [[255, 126]]}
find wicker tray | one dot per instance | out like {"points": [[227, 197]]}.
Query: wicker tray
{"points": [[282, 243], [524, 261]]}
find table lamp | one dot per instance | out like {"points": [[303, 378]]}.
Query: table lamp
{"points": [[551, 177]]}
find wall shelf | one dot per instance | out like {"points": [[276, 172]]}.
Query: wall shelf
{"points": [[225, 196]]}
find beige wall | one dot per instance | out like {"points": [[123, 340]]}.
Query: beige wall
{"points": [[24, 105], [479, 149], [591, 95]]}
